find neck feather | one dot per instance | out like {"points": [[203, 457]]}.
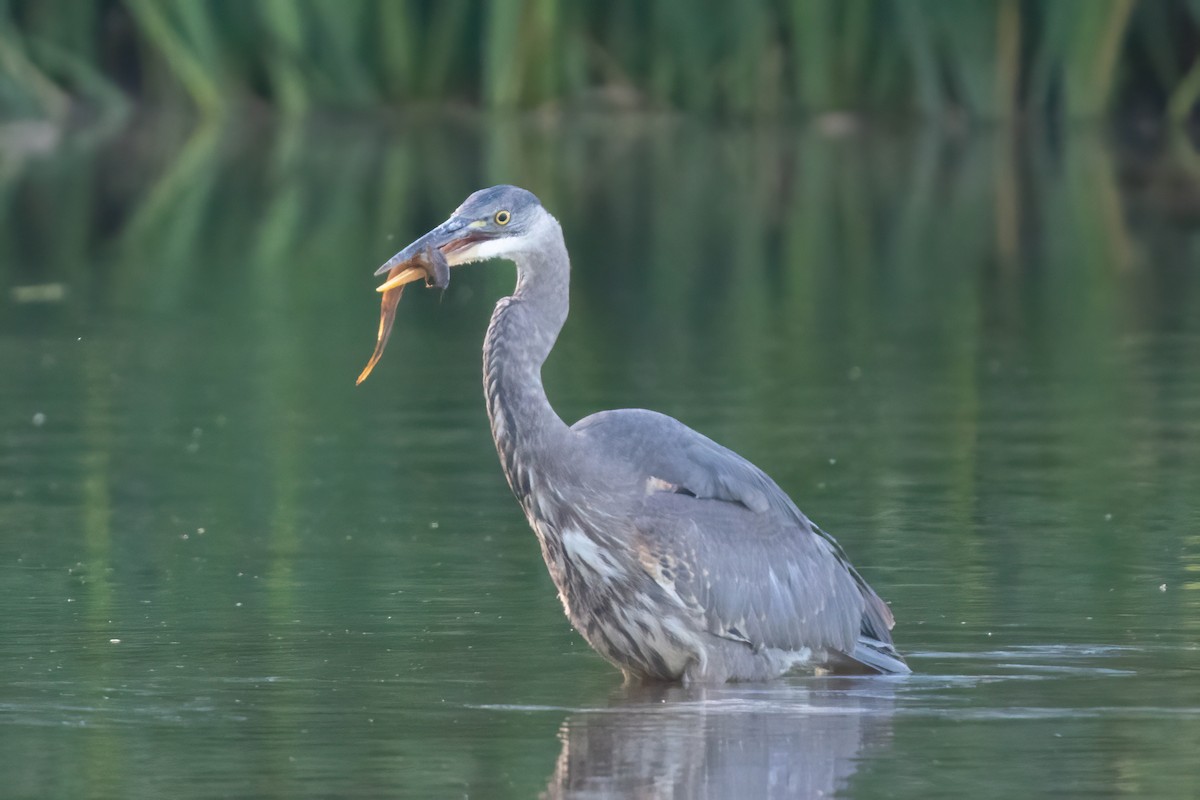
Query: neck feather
{"points": [[523, 330]]}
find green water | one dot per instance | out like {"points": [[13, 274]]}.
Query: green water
{"points": [[225, 571]]}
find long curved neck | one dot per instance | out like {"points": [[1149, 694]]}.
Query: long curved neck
{"points": [[522, 332]]}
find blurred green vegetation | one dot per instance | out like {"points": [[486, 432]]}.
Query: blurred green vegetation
{"points": [[982, 59]]}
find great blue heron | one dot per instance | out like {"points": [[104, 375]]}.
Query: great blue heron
{"points": [[674, 557]]}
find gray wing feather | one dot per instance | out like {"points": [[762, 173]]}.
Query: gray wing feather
{"points": [[752, 579], [668, 449], [739, 552]]}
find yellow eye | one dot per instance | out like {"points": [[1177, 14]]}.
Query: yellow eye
{"points": [[502, 217]]}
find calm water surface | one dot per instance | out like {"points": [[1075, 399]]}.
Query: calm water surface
{"points": [[227, 572]]}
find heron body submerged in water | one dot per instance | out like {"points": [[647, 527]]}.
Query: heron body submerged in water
{"points": [[674, 557]]}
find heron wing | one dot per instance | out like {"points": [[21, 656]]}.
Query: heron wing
{"points": [[669, 450], [720, 533], [753, 579]]}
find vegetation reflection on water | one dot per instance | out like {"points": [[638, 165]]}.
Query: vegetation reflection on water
{"points": [[227, 571]]}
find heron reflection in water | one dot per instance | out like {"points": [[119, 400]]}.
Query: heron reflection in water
{"points": [[674, 557], [665, 741]]}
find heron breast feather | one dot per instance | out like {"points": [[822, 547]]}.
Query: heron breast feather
{"points": [[585, 552]]}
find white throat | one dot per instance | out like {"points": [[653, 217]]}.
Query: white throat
{"points": [[504, 247]]}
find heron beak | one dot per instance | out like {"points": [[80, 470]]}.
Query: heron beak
{"points": [[451, 236]]}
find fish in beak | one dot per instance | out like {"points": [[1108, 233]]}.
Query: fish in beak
{"points": [[425, 258]]}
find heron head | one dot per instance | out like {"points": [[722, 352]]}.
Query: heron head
{"points": [[497, 222], [500, 222]]}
